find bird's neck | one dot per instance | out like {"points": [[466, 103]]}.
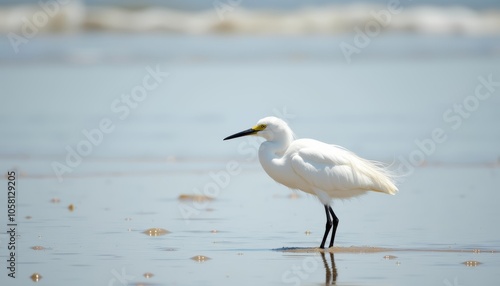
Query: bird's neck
{"points": [[276, 148]]}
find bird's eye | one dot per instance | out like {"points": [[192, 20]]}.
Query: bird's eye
{"points": [[262, 126]]}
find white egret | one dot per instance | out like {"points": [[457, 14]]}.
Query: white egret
{"points": [[327, 171]]}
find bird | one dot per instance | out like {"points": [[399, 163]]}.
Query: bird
{"points": [[327, 171]]}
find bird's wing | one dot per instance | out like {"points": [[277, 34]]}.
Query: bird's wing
{"points": [[337, 171]]}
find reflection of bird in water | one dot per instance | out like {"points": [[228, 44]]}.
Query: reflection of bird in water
{"points": [[331, 273], [327, 171]]}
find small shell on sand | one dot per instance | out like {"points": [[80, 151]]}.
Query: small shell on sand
{"points": [[471, 263], [200, 258], [156, 231], [196, 198], [36, 277]]}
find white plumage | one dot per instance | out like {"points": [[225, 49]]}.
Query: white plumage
{"points": [[327, 171]]}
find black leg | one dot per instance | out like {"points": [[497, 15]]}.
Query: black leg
{"points": [[335, 222], [327, 227]]}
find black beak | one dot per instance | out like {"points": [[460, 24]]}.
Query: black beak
{"points": [[242, 133]]}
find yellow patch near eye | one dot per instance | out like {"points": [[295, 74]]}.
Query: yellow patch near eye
{"points": [[259, 127]]}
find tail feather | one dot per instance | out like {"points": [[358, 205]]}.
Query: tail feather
{"points": [[381, 177]]}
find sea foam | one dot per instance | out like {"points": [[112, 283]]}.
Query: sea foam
{"points": [[75, 16]]}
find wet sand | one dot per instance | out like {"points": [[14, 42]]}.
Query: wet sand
{"points": [[144, 229]]}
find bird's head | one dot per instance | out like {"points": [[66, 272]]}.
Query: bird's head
{"points": [[270, 128]]}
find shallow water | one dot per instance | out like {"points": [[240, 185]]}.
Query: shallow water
{"points": [[244, 228], [171, 145]]}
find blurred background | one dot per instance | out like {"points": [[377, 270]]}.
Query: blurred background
{"points": [[345, 68], [119, 109]]}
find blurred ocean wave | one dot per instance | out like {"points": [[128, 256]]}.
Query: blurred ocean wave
{"points": [[230, 18]]}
